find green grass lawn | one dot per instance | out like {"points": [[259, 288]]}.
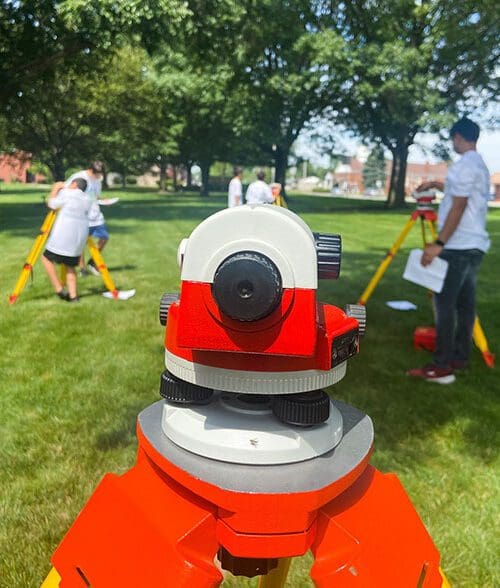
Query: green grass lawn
{"points": [[74, 378]]}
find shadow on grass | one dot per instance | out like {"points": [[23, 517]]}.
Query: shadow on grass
{"points": [[124, 435]]}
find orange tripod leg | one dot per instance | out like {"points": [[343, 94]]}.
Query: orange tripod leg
{"points": [[140, 529], [102, 267], [33, 255], [371, 537], [385, 263]]}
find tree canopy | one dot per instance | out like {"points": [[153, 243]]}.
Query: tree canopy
{"points": [[202, 80]]}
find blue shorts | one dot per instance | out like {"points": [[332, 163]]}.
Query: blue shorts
{"points": [[99, 232]]}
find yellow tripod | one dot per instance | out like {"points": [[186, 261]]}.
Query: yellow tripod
{"points": [[37, 249], [279, 200], [428, 219]]}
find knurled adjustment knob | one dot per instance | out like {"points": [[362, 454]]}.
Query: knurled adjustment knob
{"points": [[357, 311], [329, 253], [303, 409], [165, 302], [178, 391]]}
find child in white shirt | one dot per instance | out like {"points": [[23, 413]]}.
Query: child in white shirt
{"points": [[69, 234]]}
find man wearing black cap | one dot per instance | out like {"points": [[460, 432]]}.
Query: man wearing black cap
{"points": [[462, 241]]}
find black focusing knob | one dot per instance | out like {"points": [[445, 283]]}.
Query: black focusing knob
{"points": [[247, 286], [178, 391], [165, 302], [329, 252], [303, 409]]}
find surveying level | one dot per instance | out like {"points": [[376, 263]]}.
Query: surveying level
{"points": [[428, 219], [247, 462], [37, 249]]}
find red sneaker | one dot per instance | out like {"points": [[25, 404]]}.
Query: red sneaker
{"points": [[433, 373]]}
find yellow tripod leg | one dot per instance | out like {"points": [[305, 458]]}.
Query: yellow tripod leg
{"points": [[52, 580], [432, 227], [445, 583], [482, 344], [102, 267], [280, 201], [33, 255], [385, 263], [276, 578]]}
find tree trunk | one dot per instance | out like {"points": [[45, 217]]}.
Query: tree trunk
{"points": [[281, 165], [105, 185], [57, 168], [396, 195], [174, 177], [189, 175], [124, 178], [205, 177], [163, 174]]}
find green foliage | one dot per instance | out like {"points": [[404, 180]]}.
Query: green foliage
{"points": [[54, 118], [374, 168], [411, 66]]}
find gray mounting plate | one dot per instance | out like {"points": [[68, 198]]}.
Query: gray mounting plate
{"points": [[304, 476]]}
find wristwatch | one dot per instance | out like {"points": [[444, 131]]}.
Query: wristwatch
{"points": [[439, 242]]}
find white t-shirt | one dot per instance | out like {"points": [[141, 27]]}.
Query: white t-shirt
{"points": [[71, 227], [259, 193], [94, 189], [468, 177], [234, 192]]}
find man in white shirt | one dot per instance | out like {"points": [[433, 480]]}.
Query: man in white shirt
{"points": [[462, 241], [97, 224], [235, 189], [68, 235], [259, 192]]}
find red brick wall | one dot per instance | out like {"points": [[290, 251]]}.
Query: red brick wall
{"points": [[13, 168]]}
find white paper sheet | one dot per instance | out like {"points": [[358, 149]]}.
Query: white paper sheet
{"points": [[431, 276], [401, 305]]}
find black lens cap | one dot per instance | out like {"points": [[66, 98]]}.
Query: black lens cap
{"points": [[247, 286]]}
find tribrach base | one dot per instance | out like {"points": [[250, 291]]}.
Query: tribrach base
{"points": [[161, 524]]}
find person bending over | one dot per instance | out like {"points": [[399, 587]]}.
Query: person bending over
{"points": [[69, 234], [259, 192], [97, 225]]}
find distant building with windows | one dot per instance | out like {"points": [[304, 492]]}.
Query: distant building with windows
{"points": [[14, 167], [348, 176]]}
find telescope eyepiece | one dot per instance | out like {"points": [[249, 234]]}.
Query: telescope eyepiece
{"points": [[247, 286]]}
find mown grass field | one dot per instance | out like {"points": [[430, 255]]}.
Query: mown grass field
{"points": [[74, 378]]}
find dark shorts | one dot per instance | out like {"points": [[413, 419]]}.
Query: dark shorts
{"points": [[99, 232], [65, 259]]}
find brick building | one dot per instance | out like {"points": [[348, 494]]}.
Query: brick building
{"points": [[14, 167], [349, 176]]}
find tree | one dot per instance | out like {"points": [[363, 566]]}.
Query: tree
{"points": [[133, 123], [412, 66], [40, 37], [374, 168], [280, 85], [53, 120]]}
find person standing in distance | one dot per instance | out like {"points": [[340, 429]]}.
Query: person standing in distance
{"points": [[235, 189], [97, 225], [462, 241], [259, 192]]}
